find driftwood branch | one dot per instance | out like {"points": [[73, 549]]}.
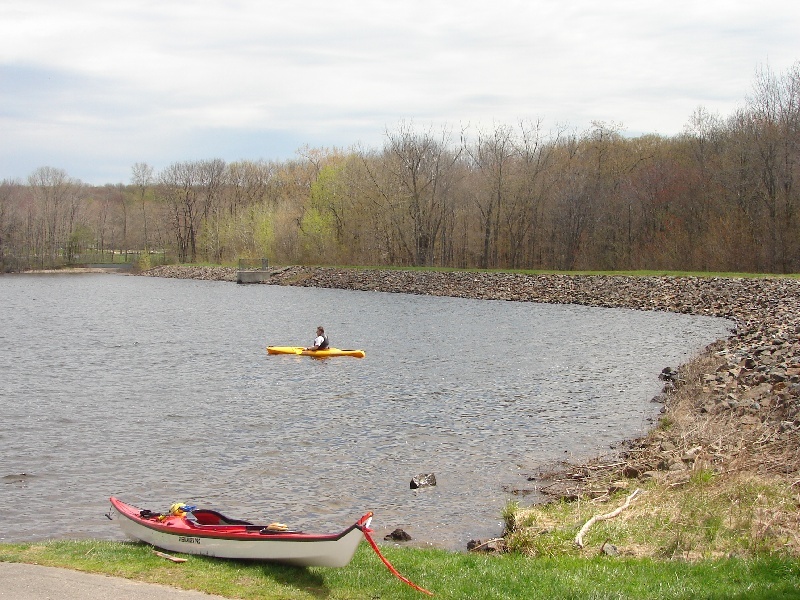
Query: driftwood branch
{"points": [[485, 544], [611, 515], [174, 559]]}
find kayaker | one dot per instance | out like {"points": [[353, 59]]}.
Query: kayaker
{"points": [[321, 341]]}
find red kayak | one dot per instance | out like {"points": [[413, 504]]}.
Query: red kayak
{"points": [[207, 532]]}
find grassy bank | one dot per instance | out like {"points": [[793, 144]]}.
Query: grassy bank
{"points": [[447, 574], [711, 516]]}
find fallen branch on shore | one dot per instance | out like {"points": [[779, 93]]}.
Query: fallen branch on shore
{"points": [[486, 544], [174, 559], [611, 515]]}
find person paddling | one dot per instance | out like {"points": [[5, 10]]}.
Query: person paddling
{"points": [[321, 341]]}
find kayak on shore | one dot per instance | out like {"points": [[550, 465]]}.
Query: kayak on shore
{"points": [[207, 532], [328, 352]]}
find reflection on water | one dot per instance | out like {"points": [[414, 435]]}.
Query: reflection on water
{"points": [[160, 390]]}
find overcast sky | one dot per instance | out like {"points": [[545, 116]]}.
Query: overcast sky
{"points": [[93, 87]]}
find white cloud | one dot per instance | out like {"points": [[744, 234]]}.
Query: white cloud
{"points": [[133, 80]]}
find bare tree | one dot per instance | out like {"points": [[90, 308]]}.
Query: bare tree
{"points": [[211, 179], [58, 197], [142, 179], [532, 184], [492, 157], [11, 226], [179, 186], [775, 113], [416, 178]]}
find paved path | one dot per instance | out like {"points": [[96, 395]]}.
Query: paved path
{"points": [[33, 582]]}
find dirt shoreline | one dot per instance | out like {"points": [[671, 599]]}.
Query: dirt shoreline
{"points": [[747, 385]]}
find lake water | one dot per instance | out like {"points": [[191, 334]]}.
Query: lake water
{"points": [[160, 390]]}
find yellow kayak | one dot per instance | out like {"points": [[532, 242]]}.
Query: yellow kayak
{"points": [[315, 353]]}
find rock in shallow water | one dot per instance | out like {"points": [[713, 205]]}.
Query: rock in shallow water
{"points": [[398, 535], [423, 480]]}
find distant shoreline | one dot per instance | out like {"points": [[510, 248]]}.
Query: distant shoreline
{"points": [[71, 271]]}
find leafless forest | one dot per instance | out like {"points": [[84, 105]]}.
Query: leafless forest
{"points": [[718, 197]]}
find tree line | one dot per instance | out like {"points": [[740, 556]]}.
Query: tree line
{"points": [[720, 196]]}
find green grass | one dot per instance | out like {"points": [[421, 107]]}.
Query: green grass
{"points": [[447, 574], [707, 517]]}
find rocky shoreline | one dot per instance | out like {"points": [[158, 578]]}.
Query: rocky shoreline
{"points": [[747, 385]]}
